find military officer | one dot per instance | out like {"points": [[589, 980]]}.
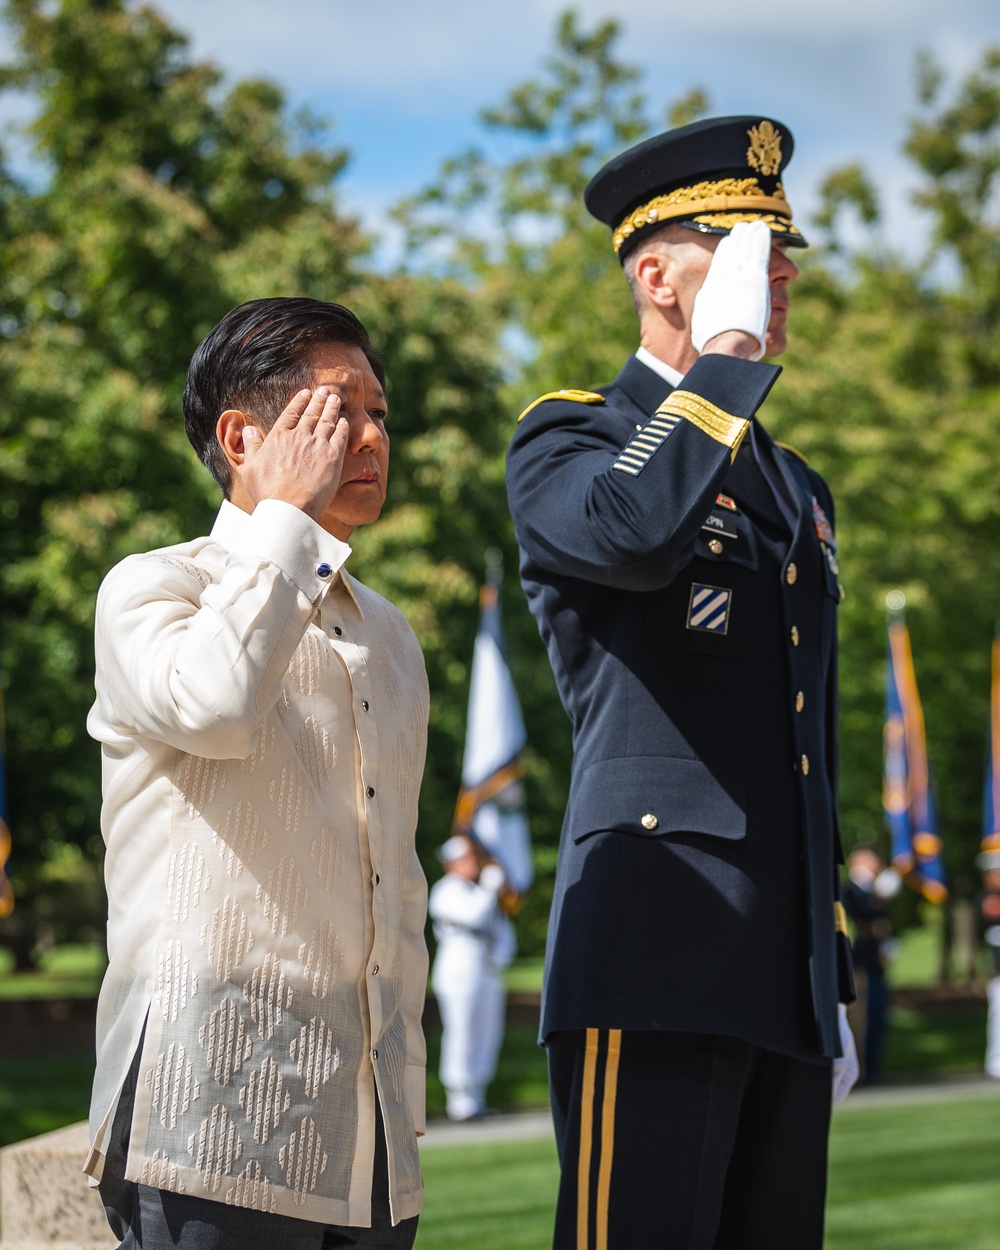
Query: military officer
{"points": [[682, 570]]}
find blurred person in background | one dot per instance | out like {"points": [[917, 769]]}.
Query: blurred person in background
{"points": [[475, 943], [989, 922], [868, 888]]}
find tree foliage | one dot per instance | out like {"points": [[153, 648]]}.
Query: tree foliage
{"points": [[161, 197], [892, 388], [161, 201]]}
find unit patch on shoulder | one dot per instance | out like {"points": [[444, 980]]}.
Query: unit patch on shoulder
{"points": [[709, 608], [576, 397]]}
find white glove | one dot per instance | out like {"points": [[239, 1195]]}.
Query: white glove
{"points": [[845, 1070], [492, 878], [736, 293], [887, 884]]}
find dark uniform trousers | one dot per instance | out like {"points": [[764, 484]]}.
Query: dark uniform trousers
{"points": [[682, 571], [686, 1141]]}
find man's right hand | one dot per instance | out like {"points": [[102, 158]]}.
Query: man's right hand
{"points": [[300, 459], [733, 308]]}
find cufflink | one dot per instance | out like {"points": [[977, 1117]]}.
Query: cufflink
{"points": [[324, 570]]}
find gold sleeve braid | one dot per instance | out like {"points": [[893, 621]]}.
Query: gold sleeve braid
{"points": [[722, 426]]}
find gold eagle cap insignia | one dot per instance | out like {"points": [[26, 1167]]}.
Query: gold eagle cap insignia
{"points": [[764, 152]]}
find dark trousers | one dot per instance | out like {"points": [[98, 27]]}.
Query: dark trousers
{"points": [[686, 1141], [155, 1219]]}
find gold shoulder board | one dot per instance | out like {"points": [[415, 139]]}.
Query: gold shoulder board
{"points": [[797, 454], [577, 397]]}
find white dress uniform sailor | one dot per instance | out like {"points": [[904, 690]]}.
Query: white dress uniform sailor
{"points": [[475, 943]]}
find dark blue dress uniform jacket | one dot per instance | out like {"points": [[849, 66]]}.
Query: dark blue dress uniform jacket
{"points": [[691, 626]]}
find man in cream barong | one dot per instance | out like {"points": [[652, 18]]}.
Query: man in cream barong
{"points": [[262, 714]]}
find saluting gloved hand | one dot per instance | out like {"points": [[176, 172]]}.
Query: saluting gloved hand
{"points": [[846, 1070], [736, 293], [492, 878]]}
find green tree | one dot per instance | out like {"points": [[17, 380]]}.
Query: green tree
{"points": [[892, 388], [160, 202], [156, 204]]}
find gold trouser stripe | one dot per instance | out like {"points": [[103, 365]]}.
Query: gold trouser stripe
{"points": [[839, 917], [586, 1140], [607, 1137], [722, 426]]}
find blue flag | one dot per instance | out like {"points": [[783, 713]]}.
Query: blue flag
{"points": [[907, 794], [491, 802], [6, 893], [991, 793]]}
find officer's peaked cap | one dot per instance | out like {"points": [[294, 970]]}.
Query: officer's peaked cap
{"points": [[706, 176]]}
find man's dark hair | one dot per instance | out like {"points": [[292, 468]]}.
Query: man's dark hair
{"points": [[255, 360]]}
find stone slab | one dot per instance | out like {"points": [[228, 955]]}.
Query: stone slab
{"points": [[45, 1201]]}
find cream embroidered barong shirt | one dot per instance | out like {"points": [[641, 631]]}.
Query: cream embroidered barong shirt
{"points": [[263, 721]]}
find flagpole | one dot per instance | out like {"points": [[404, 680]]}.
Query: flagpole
{"points": [[908, 796], [6, 892], [896, 780], [991, 788], [493, 560]]}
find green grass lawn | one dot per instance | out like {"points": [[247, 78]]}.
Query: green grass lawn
{"points": [[66, 972], [919, 1177], [943, 1040], [40, 1094], [916, 1177]]}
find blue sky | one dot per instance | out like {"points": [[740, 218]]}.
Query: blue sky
{"points": [[403, 82]]}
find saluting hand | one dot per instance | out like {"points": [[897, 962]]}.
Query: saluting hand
{"points": [[301, 458], [736, 294]]}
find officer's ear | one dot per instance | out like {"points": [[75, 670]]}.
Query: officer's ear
{"points": [[654, 272]]}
